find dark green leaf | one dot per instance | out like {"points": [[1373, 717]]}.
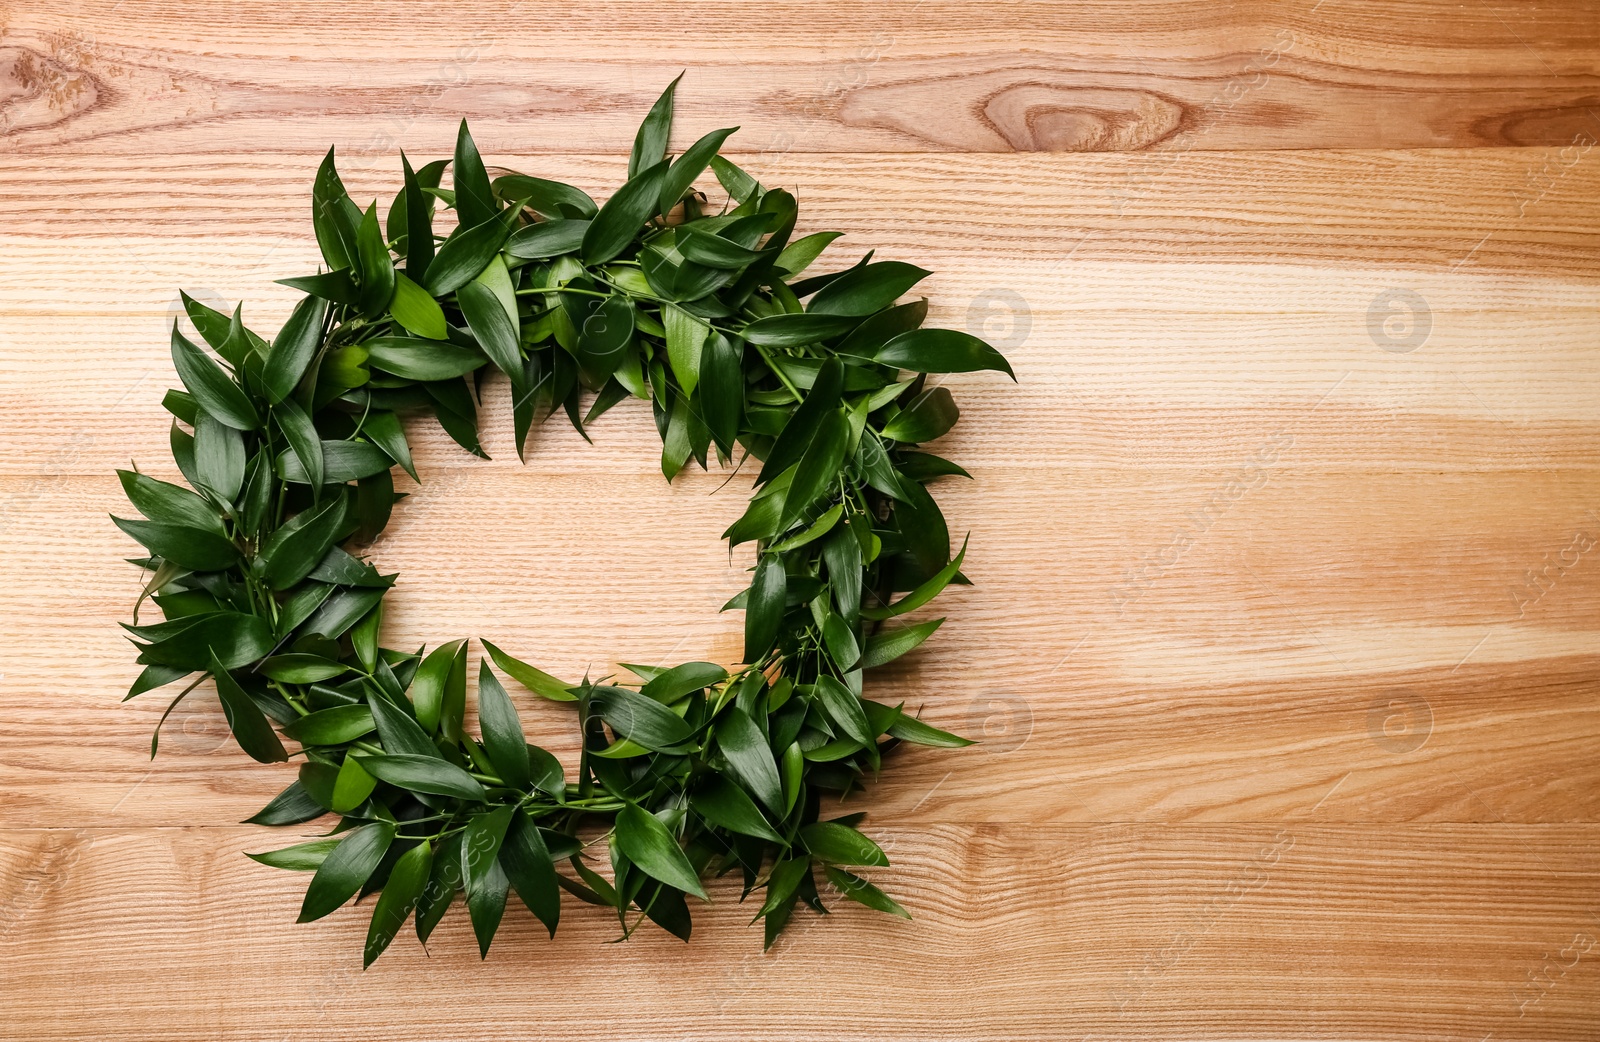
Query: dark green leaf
{"points": [[487, 884], [418, 359], [844, 708], [689, 166], [725, 805], [534, 679], [797, 330], [764, 609], [341, 460], [646, 721], [169, 504], [750, 758], [552, 199], [293, 349], [400, 893], [648, 844], [474, 199], [377, 269], [650, 143], [891, 644], [219, 458], [427, 688], [926, 417], [503, 739], [344, 870], [213, 389], [722, 389], [547, 239], [418, 231], [866, 289], [818, 472], [292, 551], [798, 255], [863, 892], [941, 351], [672, 684], [301, 669], [245, 719], [302, 857], [334, 726], [492, 328], [915, 731], [841, 845], [198, 549], [416, 310], [620, 219], [423, 774], [466, 253], [797, 435], [529, 867]]}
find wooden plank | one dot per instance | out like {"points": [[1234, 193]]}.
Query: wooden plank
{"points": [[942, 75], [1113, 931]]}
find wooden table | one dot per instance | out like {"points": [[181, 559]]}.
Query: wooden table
{"points": [[1284, 636]]}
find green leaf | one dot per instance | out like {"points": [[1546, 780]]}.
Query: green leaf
{"points": [[400, 894], [818, 471], [739, 185], [819, 528], [841, 845], [531, 870], [292, 806], [670, 685], [552, 199], [750, 758], [941, 351], [725, 805], [302, 857], [466, 253], [352, 787], [492, 328], [650, 143], [604, 332], [798, 433], [909, 729], [398, 730], [686, 336], [293, 349], [336, 286], [646, 721], [385, 431], [713, 251], [503, 739], [426, 360], [418, 231], [620, 219], [213, 389], [891, 644], [927, 416], [169, 504], [486, 880], [797, 330], [722, 389], [844, 708], [792, 769], [862, 892], [303, 438], [416, 310], [763, 614], [866, 289], [922, 594], [245, 719], [648, 844], [423, 774], [427, 687], [197, 549], [474, 198], [218, 458], [301, 669], [345, 869], [342, 461], [334, 726], [377, 269], [292, 552], [798, 255], [535, 680], [547, 239], [689, 166], [841, 641], [330, 216]]}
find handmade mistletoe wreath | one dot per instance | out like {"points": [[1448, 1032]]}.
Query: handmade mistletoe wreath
{"points": [[695, 769]]}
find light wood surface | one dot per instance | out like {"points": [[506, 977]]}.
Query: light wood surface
{"points": [[1284, 640]]}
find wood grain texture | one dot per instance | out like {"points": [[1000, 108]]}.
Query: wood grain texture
{"points": [[1283, 643]]}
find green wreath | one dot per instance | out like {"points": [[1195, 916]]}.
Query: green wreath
{"points": [[696, 769]]}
